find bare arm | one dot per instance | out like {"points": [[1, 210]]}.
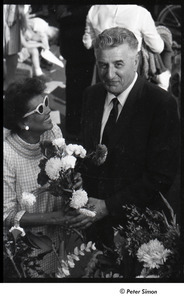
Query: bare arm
{"points": [[50, 218], [30, 43]]}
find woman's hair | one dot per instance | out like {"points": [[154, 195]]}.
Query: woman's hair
{"points": [[17, 98], [114, 37]]}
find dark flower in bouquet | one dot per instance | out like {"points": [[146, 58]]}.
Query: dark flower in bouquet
{"points": [[98, 156]]}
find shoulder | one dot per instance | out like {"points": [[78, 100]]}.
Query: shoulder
{"points": [[94, 9], [156, 96], [9, 155], [156, 91], [6, 147], [142, 10], [145, 87], [52, 134]]}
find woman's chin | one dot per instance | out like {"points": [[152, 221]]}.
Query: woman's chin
{"points": [[48, 124]]}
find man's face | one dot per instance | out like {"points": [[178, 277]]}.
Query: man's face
{"points": [[116, 67]]}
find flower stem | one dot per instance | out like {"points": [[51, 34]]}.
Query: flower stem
{"points": [[14, 265], [80, 234], [57, 256]]}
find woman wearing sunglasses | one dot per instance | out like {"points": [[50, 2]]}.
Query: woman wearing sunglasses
{"points": [[27, 116]]}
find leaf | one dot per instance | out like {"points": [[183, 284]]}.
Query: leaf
{"points": [[88, 249], [47, 149], [89, 244], [93, 247], [71, 264], [16, 233], [76, 251], [42, 178], [109, 275], [40, 242], [82, 247], [116, 275], [75, 257], [66, 271]]}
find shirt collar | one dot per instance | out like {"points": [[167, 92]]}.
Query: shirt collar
{"points": [[123, 96]]}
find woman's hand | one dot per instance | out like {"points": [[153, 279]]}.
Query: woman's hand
{"points": [[59, 218]]}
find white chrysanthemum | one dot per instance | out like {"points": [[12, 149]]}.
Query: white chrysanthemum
{"points": [[28, 199], [78, 150], [19, 229], [60, 142], [70, 148], [79, 199], [52, 167], [153, 254], [68, 162], [87, 212]]}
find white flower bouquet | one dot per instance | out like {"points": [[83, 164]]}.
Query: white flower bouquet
{"points": [[59, 170]]}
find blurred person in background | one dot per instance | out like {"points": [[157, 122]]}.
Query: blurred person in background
{"points": [[11, 41], [36, 34], [79, 62]]}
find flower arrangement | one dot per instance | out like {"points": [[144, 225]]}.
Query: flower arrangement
{"points": [[60, 167], [153, 244]]}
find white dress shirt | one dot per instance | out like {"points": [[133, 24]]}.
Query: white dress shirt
{"points": [[108, 104], [133, 17]]}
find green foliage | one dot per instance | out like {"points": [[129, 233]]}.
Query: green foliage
{"points": [[141, 228], [18, 258]]}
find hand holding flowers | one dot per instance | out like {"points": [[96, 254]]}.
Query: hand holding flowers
{"points": [[84, 221]]}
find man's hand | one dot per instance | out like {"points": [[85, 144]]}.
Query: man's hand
{"points": [[82, 222]]}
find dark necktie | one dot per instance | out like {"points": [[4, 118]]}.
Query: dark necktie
{"points": [[108, 130]]}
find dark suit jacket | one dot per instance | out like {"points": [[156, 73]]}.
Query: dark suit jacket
{"points": [[144, 150]]}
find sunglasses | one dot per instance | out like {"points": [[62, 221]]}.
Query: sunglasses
{"points": [[40, 108]]}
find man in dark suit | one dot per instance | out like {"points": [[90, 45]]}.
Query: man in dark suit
{"points": [[142, 138]]}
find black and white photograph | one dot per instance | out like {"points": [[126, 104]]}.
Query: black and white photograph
{"points": [[92, 140]]}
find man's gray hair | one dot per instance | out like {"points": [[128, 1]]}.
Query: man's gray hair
{"points": [[114, 37]]}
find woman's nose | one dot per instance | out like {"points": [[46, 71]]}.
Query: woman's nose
{"points": [[47, 109]]}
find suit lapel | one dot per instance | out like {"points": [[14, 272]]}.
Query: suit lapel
{"points": [[127, 112]]}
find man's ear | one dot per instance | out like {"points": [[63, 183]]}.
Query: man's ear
{"points": [[136, 61]]}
